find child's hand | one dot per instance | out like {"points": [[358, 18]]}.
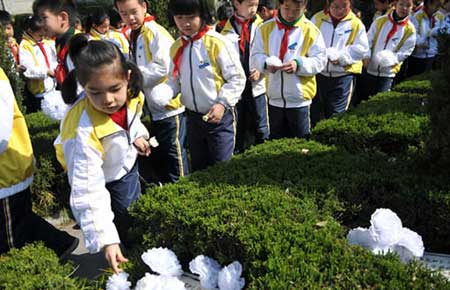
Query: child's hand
{"points": [[142, 146], [51, 73], [215, 114], [272, 68], [114, 256], [254, 75], [289, 67]]}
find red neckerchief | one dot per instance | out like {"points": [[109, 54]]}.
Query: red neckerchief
{"points": [[285, 40], [61, 70], [430, 16], [245, 34], [120, 117], [395, 25], [15, 51], [42, 48], [184, 43]]}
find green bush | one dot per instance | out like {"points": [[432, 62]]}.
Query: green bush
{"points": [[37, 267], [50, 189], [275, 209], [391, 122]]}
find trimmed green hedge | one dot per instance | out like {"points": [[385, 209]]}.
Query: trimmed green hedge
{"points": [[50, 189], [265, 208], [37, 267], [391, 122]]}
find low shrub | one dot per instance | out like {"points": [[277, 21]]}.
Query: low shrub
{"points": [[276, 209], [37, 267]]}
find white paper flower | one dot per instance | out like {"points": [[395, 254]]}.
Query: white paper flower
{"points": [[208, 270], [230, 277], [163, 261], [386, 234], [274, 60], [53, 106], [332, 53], [385, 58], [155, 282], [161, 95], [118, 282]]}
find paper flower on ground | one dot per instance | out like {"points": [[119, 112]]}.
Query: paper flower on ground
{"points": [[155, 282], [53, 106], [387, 234], [274, 60], [332, 53], [385, 58], [118, 282], [163, 261], [230, 277], [208, 270]]}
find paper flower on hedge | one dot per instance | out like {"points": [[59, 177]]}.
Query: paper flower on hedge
{"points": [[385, 58], [155, 282], [387, 234], [118, 282], [274, 60], [230, 277], [208, 270], [164, 262], [53, 106]]}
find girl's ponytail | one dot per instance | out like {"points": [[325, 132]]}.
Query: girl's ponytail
{"points": [[135, 85], [78, 42], [69, 88]]}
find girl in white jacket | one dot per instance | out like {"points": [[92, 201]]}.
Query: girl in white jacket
{"points": [[100, 139]]}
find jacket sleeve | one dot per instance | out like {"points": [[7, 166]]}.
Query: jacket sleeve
{"points": [[233, 73], [89, 199], [6, 117], [407, 48], [258, 56], [315, 60], [33, 71], [421, 38], [156, 70], [370, 38], [358, 50]]}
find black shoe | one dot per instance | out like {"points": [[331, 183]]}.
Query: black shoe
{"points": [[72, 246]]}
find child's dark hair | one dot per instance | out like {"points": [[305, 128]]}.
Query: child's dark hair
{"points": [[269, 4], [5, 18], [305, 2], [96, 18], [56, 7], [139, 1], [225, 11], [33, 23], [114, 18], [88, 56], [203, 8]]}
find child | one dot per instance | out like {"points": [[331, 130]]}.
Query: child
{"points": [[7, 24], [391, 38], [37, 59], [100, 139], [18, 224], [346, 40], [252, 113], [59, 20], [207, 72], [266, 9], [291, 51], [150, 49], [225, 11], [98, 28], [115, 21], [382, 7], [425, 52]]}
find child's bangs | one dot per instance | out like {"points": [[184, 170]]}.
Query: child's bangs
{"points": [[183, 7]]}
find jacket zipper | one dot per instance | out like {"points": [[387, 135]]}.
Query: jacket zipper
{"points": [[331, 45], [192, 76], [282, 90]]}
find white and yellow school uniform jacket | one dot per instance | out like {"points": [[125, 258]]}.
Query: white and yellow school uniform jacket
{"points": [[306, 46], [258, 86], [349, 38], [16, 153], [426, 43], [401, 44], [31, 57], [113, 36], [210, 73], [94, 150], [153, 59]]}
